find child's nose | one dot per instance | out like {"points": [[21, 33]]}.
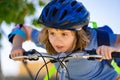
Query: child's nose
{"points": [[58, 38]]}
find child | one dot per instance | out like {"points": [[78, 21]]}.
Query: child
{"points": [[66, 31]]}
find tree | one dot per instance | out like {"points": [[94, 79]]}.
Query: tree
{"points": [[14, 11]]}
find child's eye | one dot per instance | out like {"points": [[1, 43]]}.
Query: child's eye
{"points": [[51, 33], [64, 34]]}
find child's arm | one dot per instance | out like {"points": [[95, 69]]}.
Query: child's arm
{"points": [[18, 39]]}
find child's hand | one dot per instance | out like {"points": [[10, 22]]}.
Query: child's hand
{"points": [[106, 51], [16, 52]]}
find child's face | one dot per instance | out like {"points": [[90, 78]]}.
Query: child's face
{"points": [[61, 40]]}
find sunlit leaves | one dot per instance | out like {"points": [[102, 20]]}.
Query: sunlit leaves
{"points": [[41, 3], [31, 8], [36, 24], [15, 10]]}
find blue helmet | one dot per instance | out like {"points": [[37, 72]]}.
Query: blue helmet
{"points": [[64, 14]]}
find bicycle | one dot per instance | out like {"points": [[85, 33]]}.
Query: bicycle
{"points": [[62, 59]]}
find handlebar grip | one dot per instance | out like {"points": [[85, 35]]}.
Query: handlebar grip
{"points": [[24, 54], [115, 55], [27, 55]]}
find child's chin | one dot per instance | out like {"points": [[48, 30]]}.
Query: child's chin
{"points": [[60, 51]]}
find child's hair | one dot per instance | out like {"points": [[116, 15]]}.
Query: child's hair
{"points": [[82, 40]]}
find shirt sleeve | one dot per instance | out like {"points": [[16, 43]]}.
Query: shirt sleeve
{"points": [[112, 38], [35, 38]]}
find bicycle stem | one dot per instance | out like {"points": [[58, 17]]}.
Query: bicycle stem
{"points": [[62, 71]]}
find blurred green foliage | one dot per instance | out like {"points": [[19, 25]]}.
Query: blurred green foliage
{"points": [[41, 3], [36, 24], [14, 11]]}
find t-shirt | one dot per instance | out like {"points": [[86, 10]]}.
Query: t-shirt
{"points": [[83, 69]]}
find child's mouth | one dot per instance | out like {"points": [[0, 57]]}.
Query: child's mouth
{"points": [[59, 47]]}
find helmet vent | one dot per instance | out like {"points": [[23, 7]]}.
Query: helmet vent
{"points": [[73, 3], [79, 9], [54, 11], [55, 0], [64, 14], [46, 12], [62, 1]]}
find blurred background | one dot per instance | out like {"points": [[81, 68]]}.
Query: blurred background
{"points": [[12, 12]]}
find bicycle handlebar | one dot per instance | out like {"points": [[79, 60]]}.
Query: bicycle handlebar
{"points": [[34, 55], [115, 54]]}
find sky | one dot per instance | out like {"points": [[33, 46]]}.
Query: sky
{"points": [[104, 12]]}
